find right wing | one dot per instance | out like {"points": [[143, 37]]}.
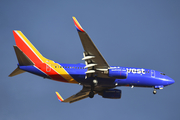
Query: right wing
{"points": [[93, 59], [84, 93]]}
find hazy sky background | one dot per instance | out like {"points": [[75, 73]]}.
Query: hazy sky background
{"points": [[141, 33]]}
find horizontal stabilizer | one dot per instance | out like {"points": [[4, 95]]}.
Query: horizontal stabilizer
{"points": [[22, 58], [16, 72]]}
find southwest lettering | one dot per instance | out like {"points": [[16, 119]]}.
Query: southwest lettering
{"points": [[134, 71]]}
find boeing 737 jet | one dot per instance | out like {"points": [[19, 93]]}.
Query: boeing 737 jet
{"points": [[96, 76]]}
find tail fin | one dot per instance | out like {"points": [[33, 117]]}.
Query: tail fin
{"points": [[24, 45], [26, 53]]}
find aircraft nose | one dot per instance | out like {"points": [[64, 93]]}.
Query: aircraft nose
{"points": [[170, 81]]}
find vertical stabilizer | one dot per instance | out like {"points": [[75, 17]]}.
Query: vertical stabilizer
{"points": [[27, 48]]}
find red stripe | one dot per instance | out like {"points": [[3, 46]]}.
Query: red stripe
{"points": [[59, 98], [52, 73], [78, 27], [20, 43], [39, 64]]}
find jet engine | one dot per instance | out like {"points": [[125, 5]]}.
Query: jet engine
{"points": [[111, 93]]}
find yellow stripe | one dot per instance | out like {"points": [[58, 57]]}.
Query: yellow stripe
{"points": [[31, 46], [59, 69], [59, 96], [77, 22]]}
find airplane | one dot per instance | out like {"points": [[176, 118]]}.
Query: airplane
{"points": [[96, 76]]}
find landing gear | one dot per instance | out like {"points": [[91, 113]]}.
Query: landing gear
{"points": [[94, 83], [91, 94], [154, 92]]}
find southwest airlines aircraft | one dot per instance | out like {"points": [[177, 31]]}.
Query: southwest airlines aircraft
{"points": [[96, 75]]}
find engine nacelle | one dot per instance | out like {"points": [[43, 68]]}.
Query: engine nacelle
{"points": [[112, 94], [118, 73]]}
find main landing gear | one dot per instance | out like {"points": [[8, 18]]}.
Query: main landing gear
{"points": [[94, 83], [91, 94]]}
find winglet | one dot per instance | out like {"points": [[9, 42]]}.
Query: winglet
{"points": [[59, 97], [78, 26]]}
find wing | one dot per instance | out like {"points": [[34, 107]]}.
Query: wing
{"points": [[93, 59], [84, 93]]}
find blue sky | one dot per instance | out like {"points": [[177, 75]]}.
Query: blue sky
{"points": [[139, 33]]}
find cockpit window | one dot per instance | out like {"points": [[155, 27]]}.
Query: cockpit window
{"points": [[162, 73]]}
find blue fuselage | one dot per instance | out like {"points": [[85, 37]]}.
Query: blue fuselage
{"points": [[136, 77]]}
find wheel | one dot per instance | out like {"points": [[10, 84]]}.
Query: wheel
{"points": [[95, 82], [91, 94], [154, 92]]}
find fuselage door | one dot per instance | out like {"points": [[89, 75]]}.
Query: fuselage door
{"points": [[153, 73]]}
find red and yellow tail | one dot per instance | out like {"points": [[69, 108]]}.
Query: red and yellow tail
{"points": [[28, 55], [28, 49]]}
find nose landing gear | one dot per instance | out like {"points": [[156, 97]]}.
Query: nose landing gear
{"points": [[154, 92]]}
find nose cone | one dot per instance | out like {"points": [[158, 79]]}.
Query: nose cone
{"points": [[169, 81]]}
